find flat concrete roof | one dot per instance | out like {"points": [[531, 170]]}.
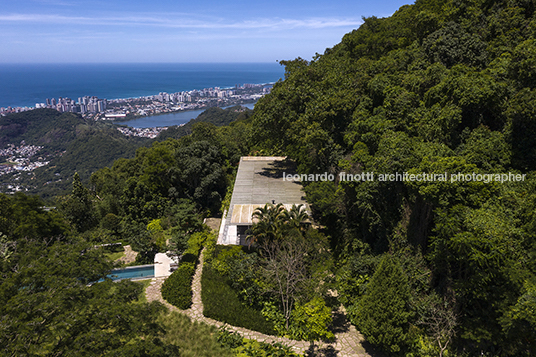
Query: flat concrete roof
{"points": [[242, 213], [259, 180]]}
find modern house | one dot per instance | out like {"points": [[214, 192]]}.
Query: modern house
{"points": [[259, 180]]}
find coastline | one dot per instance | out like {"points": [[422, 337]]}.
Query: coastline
{"points": [[28, 84], [132, 108]]}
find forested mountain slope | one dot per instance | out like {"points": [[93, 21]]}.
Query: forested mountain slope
{"points": [[54, 295], [72, 144], [69, 143], [424, 267], [439, 87]]}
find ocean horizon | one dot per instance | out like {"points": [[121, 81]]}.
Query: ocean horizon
{"points": [[26, 84]]}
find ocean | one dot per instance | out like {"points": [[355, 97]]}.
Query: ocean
{"points": [[27, 84]]}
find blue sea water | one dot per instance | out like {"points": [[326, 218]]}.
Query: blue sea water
{"points": [[28, 84]]}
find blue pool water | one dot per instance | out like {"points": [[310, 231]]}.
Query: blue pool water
{"points": [[136, 272]]}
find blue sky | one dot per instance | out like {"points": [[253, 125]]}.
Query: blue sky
{"points": [[48, 31]]}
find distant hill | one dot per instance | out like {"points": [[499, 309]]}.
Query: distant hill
{"points": [[74, 144], [70, 144], [44, 127]]}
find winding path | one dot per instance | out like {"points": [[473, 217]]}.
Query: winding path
{"points": [[347, 339]]}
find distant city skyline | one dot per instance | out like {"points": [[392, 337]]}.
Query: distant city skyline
{"points": [[118, 31]]}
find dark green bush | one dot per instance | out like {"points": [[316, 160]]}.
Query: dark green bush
{"points": [[177, 289], [222, 303], [189, 258]]}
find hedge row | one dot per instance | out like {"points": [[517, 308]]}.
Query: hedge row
{"points": [[220, 302], [177, 288]]}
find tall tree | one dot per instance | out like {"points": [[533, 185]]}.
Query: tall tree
{"points": [[384, 313], [285, 266], [78, 206]]}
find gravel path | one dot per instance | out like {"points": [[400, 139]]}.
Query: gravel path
{"points": [[347, 339], [130, 255]]}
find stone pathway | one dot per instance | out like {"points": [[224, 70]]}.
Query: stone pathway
{"points": [[347, 339], [130, 255]]}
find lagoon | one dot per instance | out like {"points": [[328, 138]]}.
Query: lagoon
{"points": [[169, 119]]}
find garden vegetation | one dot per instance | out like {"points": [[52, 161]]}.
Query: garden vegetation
{"points": [[423, 268]]}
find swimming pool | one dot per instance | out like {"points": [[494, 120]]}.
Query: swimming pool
{"points": [[135, 272]]}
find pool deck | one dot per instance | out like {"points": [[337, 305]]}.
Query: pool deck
{"points": [[163, 265]]}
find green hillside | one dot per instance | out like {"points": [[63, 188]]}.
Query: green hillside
{"points": [[70, 144], [74, 144], [46, 127], [439, 87], [426, 121]]}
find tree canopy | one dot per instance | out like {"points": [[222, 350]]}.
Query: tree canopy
{"points": [[437, 88]]}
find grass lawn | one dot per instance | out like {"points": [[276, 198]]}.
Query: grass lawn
{"points": [[142, 298], [194, 339], [114, 256]]}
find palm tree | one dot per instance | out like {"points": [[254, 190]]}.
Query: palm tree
{"points": [[269, 218], [297, 217]]}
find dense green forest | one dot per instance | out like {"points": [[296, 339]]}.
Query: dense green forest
{"points": [[423, 268], [55, 297], [437, 87]]}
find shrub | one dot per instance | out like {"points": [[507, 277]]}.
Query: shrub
{"points": [[196, 242], [223, 304], [210, 248], [245, 347], [225, 258], [189, 258], [310, 321], [177, 289]]}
